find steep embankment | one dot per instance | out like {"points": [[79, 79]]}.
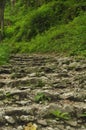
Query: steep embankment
{"points": [[53, 26], [49, 91]]}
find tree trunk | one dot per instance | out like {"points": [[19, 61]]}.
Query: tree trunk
{"points": [[12, 4], [2, 6]]}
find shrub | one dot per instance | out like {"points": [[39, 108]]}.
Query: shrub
{"points": [[38, 20], [4, 54]]}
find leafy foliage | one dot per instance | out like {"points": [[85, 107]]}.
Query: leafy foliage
{"points": [[69, 39], [83, 115], [38, 20], [59, 115], [41, 97], [4, 54], [40, 84], [45, 26]]}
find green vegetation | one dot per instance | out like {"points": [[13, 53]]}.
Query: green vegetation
{"points": [[40, 84], [41, 97], [68, 38], [8, 94], [46, 26], [4, 54], [60, 115], [83, 115]]}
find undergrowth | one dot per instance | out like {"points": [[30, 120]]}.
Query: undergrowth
{"points": [[69, 39], [4, 54], [53, 26]]}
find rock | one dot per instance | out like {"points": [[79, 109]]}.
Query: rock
{"points": [[2, 120], [32, 74], [60, 126], [59, 84], [67, 95], [14, 129], [61, 80], [27, 118], [16, 97], [1, 103], [83, 127], [2, 84], [5, 71], [68, 128], [68, 108], [19, 128], [73, 65], [72, 123], [42, 122], [23, 103], [9, 119], [49, 128]]}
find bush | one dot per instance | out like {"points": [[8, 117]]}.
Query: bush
{"points": [[54, 26], [38, 20], [4, 54], [68, 38]]}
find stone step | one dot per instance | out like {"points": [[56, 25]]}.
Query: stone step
{"points": [[28, 95], [32, 113], [34, 86], [5, 71]]}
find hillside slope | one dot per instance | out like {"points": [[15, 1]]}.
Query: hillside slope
{"points": [[57, 26]]}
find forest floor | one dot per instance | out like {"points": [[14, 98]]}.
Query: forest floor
{"points": [[49, 91]]}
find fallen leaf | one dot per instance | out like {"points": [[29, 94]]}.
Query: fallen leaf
{"points": [[30, 126]]}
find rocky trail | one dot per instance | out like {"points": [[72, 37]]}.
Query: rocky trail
{"points": [[49, 91]]}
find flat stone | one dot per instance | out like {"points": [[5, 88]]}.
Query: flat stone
{"points": [[72, 123], [9, 119], [19, 128], [42, 122], [26, 118]]}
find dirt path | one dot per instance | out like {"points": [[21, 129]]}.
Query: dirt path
{"points": [[49, 91]]}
